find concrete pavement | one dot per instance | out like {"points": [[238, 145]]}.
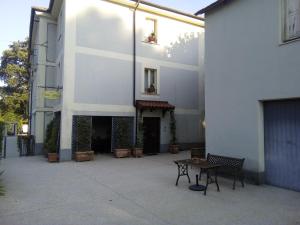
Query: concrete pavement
{"points": [[132, 191]]}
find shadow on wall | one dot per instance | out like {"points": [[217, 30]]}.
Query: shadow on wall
{"points": [[104, 31], [184, 46]]}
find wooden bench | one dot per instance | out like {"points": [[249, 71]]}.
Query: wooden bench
{"points": [[229, 166]]}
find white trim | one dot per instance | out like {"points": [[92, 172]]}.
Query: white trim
{"points": [[123, 109], [127, 57], [150, 96], [42, 109], [103, 108], [150, 66]]}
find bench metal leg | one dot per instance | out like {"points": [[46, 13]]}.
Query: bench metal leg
{"points": [[242, 181], [216, 179], [234, 180], [182, 171]]}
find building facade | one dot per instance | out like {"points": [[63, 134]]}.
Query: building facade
{"points": [[252, 72], [100, 59]]}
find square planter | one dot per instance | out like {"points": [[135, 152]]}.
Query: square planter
{"points": [[137, 152], [84, 156], [52, 157], [122, 152], [174, 149]]}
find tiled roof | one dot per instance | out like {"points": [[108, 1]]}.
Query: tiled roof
{"points": [[141, 104]]}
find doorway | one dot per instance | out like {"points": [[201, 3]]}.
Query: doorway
{"points": [[151, 135], [101, 134]]}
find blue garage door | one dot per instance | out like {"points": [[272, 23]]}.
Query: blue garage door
{"points": [[282, 143]]}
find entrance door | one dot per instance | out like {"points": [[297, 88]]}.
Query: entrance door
{"points": [[282, 143], [151, 135], [101, 136]]}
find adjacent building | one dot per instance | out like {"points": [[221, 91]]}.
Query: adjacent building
{"points": [[252, 77], [111, 59]]}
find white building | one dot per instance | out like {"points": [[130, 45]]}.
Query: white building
{"points": [[252, 77], [100, 56]]}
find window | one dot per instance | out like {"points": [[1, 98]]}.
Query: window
{"points": [[291, 23], [150, 81], [150, 30], [59, 26]]}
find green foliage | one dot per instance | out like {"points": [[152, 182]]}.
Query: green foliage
{"points": [[48, 134], [122, 134], [14, 73], [52, 133], [173, 128], [140, 134], [2, 128], [2, 191], [84, 132]]}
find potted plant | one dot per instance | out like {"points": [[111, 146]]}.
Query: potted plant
{"points": [[83, 139], [173, 147], [122, 140], [138, 150], [51, 143], [152, 38]]}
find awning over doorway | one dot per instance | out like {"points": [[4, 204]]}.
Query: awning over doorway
{"points": [[163, 105]]}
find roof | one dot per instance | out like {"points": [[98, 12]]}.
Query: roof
{"points": [[141, 104], [213, 6]]}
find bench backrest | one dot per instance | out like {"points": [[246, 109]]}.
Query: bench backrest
{"points": [[229, 162]]}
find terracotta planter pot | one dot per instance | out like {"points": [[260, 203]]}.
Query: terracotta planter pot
{"points": [[52, 157], [137, 152], [84, 156], [174, 149], [152, 39], [122, 152]]}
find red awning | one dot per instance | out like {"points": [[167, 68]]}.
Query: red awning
{"points": [[140, 104]]}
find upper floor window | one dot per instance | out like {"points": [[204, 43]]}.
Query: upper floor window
{"points": [[291, 21], [59, 25], [150, 81], [150, 30]]}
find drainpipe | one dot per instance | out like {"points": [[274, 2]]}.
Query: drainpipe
{"points": [[134, 67], [30, 108]]}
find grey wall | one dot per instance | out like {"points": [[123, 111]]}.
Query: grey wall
{"points": [[112, 33], [185, 49], [244, 64], [100, 80], [189, 129], [179, 87], [109, 34]]}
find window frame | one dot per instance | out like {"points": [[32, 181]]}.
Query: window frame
{"points": [[143, 88], [284, 31], [146, 36]]}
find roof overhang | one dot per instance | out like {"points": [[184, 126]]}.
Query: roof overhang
{"points": [[213, 6], [153, 105]]}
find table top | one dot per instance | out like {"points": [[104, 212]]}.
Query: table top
{"points": [[203, 164]]}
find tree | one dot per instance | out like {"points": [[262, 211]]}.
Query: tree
{"points": [[14, 73]]}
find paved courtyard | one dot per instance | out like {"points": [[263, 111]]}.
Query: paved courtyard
{"points": [[132, 191]]}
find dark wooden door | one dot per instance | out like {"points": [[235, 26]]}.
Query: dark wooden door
{"points": [[151, 135]]}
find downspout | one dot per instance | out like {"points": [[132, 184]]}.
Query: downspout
{"points": [[30, 104], [134, 68]]}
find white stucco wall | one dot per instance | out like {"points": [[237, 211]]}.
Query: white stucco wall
{"points": [[245, 64]]}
